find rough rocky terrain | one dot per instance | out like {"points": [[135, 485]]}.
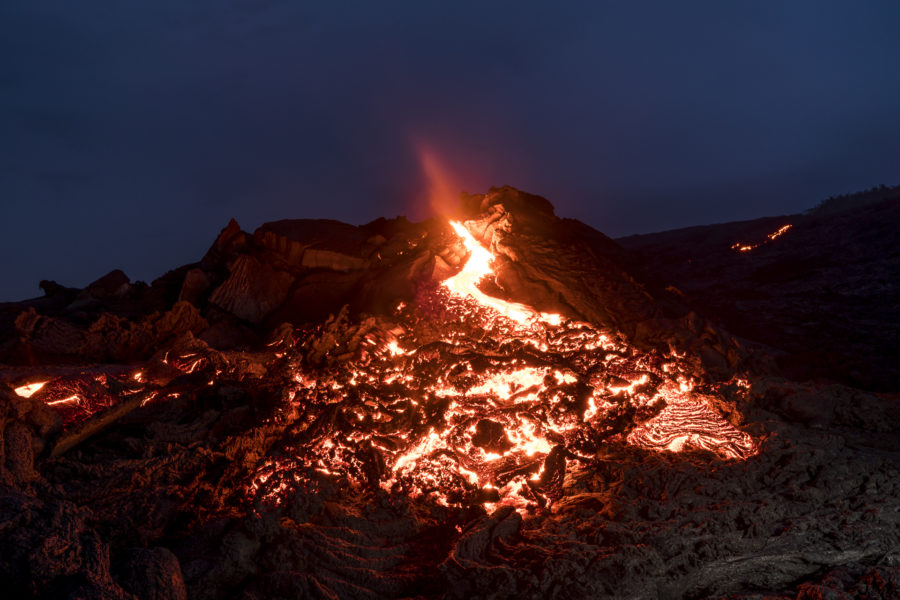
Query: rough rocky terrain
{"points": [[824, 295], [190, 464]]}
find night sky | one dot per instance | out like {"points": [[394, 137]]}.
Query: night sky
{"points": [[130, 132]]}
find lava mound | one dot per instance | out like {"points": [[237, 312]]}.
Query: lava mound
{"points": [[484, 405]]}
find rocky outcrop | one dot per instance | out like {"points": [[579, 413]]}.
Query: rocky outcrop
{"points": [[303, 270], [152, 574], [222, 474], [253, 289], [195, 286], [114, 283], [562, 265], [108, 338], [230, 241]]}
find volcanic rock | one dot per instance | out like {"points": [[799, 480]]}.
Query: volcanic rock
{"points": [[51, 288], [232, 431], [253, 289], [114, 283], [316, 296], [109, 337], [491, 436], [193, 289], [562, 265], [825, 294], [558, 264], [315, 243], [154, 574], [227, 245]]}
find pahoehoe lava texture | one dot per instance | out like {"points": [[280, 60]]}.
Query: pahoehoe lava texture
{"points": [[309, 411]]}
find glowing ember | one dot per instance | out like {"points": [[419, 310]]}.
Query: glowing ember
{"points": [[66, 400], [741, 247], [79, 396], [781, 231], [26, 391], [464, 399]]}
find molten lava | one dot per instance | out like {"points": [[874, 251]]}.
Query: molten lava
{"points": [[28, 390], [465, 283], [461, 398], [486, 401], [742, 247]]}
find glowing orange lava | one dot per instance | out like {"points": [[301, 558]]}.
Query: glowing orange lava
{"points": [[465, 283], [460, 397], [28, 390], [67, 400], [486, 401], [742, 247]]}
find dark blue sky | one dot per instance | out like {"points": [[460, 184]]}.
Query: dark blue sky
{"points": [[130, 132]]}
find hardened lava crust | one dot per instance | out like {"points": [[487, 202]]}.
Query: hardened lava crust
{"points": [[499, 403]]}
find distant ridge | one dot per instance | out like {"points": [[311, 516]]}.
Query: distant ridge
{"points": [[836, 204]]}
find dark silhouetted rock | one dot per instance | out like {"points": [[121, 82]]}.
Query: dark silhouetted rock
{"points": [[825, 294], [268, 387], [491, 436], [253, 289], [196, 285], [115, 283], [225, 248], [51, 288], [152, 574], [109, 337]]}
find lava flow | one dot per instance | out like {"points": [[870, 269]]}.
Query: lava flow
{"points": [[465, 398], [742, 247], [459, 397]]}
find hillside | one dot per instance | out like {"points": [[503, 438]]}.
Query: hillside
{"points": [[825, 294]]}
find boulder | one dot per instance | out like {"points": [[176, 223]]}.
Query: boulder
{"points": [[557, 265], [253, 289], [109, 337], [117, 338], [196, 284], [315, 243], [115, 283], [231, 241], [152, 574]]}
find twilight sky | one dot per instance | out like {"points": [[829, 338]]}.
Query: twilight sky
{"points": [[130, 132]]}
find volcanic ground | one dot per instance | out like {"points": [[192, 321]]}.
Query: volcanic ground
{"points": [[499, 403]]}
